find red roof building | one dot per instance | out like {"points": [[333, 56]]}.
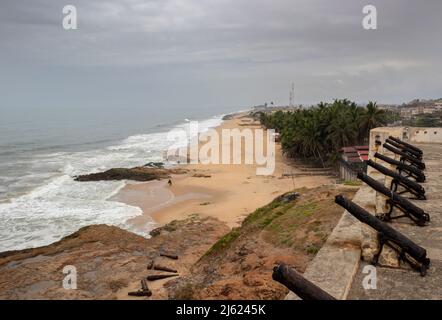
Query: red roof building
{"points": [[355, 154], [353, 161]]}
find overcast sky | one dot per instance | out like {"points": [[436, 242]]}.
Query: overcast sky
{"points": [[212, 53]]}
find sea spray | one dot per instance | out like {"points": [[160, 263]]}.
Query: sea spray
{"points": [[40, 202]]}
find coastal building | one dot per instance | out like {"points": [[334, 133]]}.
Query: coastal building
{"points": [[406, 113], [352, 245], [416, 111], [429, 110], [352, 161]]}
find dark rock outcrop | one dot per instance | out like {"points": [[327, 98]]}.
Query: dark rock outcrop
{"points": [[136, 174], [288, 197], [158, 165]]}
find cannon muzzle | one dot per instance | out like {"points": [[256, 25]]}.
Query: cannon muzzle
{"points": [[408, 250], [410, 186], [411, 171]]}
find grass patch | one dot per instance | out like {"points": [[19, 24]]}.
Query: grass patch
{"points": [[260, 213], [283, 228], [225, 241], [312, 249], [352, 183], [278, 218], [303, 224]]}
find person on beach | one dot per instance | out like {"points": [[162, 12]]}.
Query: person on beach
{"points": [[169, 183]]}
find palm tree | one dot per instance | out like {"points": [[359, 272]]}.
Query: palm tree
{"points": [[342, 131], [307, 138], [372, 117], [320, 132]]}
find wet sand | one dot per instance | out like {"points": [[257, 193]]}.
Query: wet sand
{"points": [[229, 194]]}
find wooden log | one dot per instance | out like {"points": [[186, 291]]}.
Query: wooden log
{"points": [[417, 174], [405, 156], [408, 246], [163, 268], [403, 148], [144, 292], [410, 146], [413, 187], [169, 255], [298, 284], [398, 200], [145, 287], [160, 276], [139, 293]]}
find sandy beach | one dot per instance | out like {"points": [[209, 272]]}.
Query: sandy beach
{"points": [[226, 192]]}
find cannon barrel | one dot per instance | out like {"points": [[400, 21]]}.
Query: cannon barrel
{"points": [[410, 146], [416, 188], [413, 171], [407, 245], [405, 156], [403, 148], [298, 284], [398, 200]]}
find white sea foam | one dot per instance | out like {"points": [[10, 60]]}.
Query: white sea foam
{"points": [[55, 205]]}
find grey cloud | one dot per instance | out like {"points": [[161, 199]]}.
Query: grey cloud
{"points": [[218, 52]]}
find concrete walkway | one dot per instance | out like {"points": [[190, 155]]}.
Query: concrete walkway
{"points": [[335, 265], [405, 283], [337, 268]]}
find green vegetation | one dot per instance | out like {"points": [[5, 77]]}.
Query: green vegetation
{"points": [[425, 120], [353, 183], [282, 230], [259, 219], [225, 241], [261, 213], [319, 132], [303, 224], [313, 249]]}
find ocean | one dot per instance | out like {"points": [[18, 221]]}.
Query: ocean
{"points": [[41, 150]]}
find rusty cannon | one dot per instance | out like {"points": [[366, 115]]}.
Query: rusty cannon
{"points": [[406, 144], [405, 149], [298, 284], [408, 185], [408, 251], [410, 210], [405, 157], [409, 171]]}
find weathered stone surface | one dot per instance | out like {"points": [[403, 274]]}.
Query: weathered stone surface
{"points": [[334, 266], [389, 258], [403, 282], [369, 243], [110, 262]]}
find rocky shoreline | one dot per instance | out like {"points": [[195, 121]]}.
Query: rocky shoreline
{"points": [[213, 261], [136, 174]]}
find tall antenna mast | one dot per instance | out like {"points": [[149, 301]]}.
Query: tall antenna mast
{"points": [[292, 95]]}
